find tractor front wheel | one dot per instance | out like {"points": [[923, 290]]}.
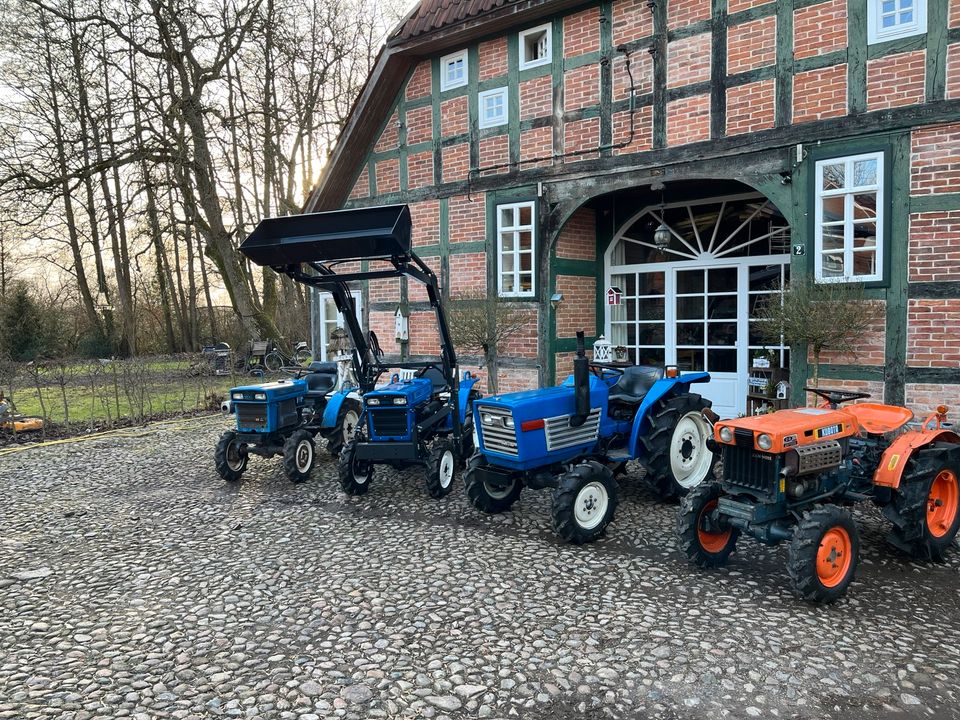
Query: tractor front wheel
{"points": [[230, 457], [348, 417], [677, 456], [484, 496], [925, 509], [441, 465], [823, 554], [355, 475], [298, 456], [704, 537], [584, 502]]}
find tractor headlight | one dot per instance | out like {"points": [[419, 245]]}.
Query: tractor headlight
{"points": [[373, 401], [259, 396], [399, 400], [764, 441], [487, 419], [726, 434], [508, 422], [238, 396]]}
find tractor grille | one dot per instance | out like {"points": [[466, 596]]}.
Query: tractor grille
{"points": [[560, 435], [746, 468], [390, 423], [496, 436], [252, 415], [743, 437]]}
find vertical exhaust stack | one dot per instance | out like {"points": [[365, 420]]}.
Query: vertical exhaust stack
{"points": [[581, 384]]}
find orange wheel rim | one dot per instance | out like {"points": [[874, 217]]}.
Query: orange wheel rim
{"points": [[942, 503], [712, 542], [834, 556]]}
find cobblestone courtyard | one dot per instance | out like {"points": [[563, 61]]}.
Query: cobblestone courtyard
{"points": [[134, 582]]}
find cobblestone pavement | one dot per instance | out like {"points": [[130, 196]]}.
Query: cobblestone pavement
{"points": [[134, 582]]}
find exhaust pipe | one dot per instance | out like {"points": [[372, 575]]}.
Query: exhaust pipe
{"points": [[226, 407], [581, 384]]}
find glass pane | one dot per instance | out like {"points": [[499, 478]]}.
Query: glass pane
{"points": [[650, 356], [833, 237], [650, 334], [506, 283], [889, 6], [723, 280], [833, 176], [721, 308], [690, 360], [764, 278], [864, 206], [507, 263], [754, 337], [832, 266], [832, 209], [721, 360], [759, 300], [526, 215], [690, 281], [690, 308], [506, 242], [526, 262], [631, 306], [865, 172], [889, 20], [650, 284], [722, 334], [526, 282], [690, 333], [506, 217], [865, 235], [628, 284], [865, 262], [526, 240], [650, 309], [906, 17]]}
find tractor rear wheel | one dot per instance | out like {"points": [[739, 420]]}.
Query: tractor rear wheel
{"points": [[823, 554], [584, 502], [484, 496], [705, 539], [441, 466], [299, 454], [348, 417], [925, 509], [230, 457], [677, 457], [355, 475]]}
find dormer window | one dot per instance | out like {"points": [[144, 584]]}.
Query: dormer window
{"points": [[536, 47], [453, 70]]}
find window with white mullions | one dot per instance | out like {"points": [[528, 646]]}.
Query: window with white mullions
{"points": [[849, 219], [453, 70], [493, 107], [515, 249], [891, 19]]}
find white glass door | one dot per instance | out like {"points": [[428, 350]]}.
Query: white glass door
{"points": [[327, 319]]}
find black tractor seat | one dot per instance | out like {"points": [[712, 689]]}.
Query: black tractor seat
{"points": [[634, 384], [321, 379], [436, 377]]}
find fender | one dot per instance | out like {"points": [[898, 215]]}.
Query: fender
{"points": [[463, 394], [334, 401], [661, 389], [895, 458]]}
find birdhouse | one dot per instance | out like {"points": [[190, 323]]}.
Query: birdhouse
{"points": [[602, 350], [614, 295], [401, 331], [783, 390]]}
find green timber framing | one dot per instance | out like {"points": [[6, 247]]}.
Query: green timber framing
{"points": [[761, 159]]}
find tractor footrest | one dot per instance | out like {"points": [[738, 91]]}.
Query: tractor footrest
{"points": [[735, 509], [388, 451], [495, 477]]}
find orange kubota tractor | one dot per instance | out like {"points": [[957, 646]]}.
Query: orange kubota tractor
{"points": [[789, 477]]}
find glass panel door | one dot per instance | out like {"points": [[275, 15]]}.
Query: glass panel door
{"points": [[328, 319]]}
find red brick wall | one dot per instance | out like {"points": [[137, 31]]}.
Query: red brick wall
{"points": [[420, 170], [389, 138], [361, 188], [632, 20], [681, 13], [455, 162], [820, 94], [523, 344], [581, 87], [751, 45], [536, 143], [688, 120], [935, 160], [642, 131], [819, 29], [388, 176], [688, 60], [896, 80], [923, 399], [426, 222], [578, 238], [935, 246], [495, 151], [536, 97], [467, 218], [869, 349], [872, 387], [581, 135], [493, 58], [579, 307], [468, 271], [953, 71], [423, 334], [420, 83], [419, 124], [734, 6], [751, 107], [382, 323], [454, 116], [932, 337], [581, 32], [641, 67], [516, 379], [954, 13]]}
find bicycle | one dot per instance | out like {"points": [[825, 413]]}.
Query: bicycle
{"points": [[276, 358]]}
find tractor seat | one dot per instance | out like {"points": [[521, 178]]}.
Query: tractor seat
{"points": [[435, 376], [321, 379], [634, 384], [322, 367], [878, 419]]}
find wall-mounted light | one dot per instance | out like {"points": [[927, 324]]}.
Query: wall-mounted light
{"points": [[556, 299]]}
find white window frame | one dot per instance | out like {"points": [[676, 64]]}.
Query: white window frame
{"points": [[484, 121], [848, 192], [516, 228], [876, 33], [522, 46], [445, 83], [319, 320]]}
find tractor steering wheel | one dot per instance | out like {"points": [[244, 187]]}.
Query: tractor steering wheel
{"points": [[832, 398], [598, 368]]}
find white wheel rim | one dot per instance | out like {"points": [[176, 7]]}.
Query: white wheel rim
{"points": [[446, 469], [590, 506], [350, 420], [358, 477], [689, 457], [498, 493], [235, 458], [304, 456]]}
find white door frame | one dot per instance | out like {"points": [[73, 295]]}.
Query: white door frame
{"points": [[317, 320]]}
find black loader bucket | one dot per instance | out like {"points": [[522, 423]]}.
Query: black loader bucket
{"points": [[374, 232]]}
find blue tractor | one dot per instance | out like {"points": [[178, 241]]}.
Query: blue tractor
{"points": [[575, 437], [424, 420]]}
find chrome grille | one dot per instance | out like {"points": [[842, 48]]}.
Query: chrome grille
{"points": [[560, 435], [496, 436]]}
